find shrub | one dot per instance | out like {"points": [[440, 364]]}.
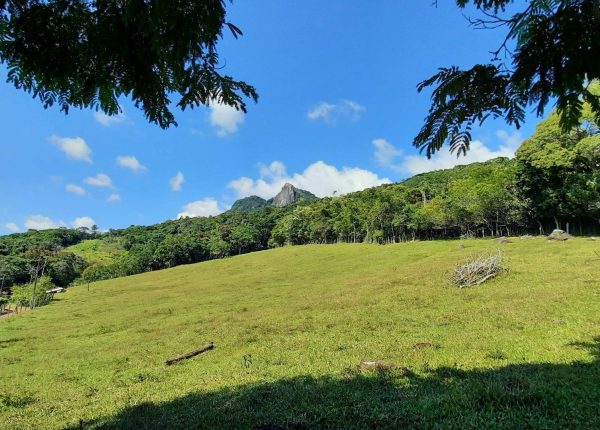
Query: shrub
{"points": [[99, 272], [3, 303], [23, 294], [475, 271]]}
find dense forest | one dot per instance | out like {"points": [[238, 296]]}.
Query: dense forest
{"points": [[554, 182]]}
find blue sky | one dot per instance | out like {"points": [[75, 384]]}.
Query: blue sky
{"points": [[338, 110]]}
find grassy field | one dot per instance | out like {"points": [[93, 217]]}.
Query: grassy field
{"points": [[97, 251], [291, 328]]}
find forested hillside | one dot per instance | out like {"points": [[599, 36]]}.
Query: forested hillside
{"points": [[554, 182]]}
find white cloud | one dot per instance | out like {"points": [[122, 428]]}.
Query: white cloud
{"points": [[130, 162], [40, 222], [176, 182], [75, 148], [385, 152], [205, 207], [478, 152], [83, 222], [322, 110], [110, 120], [75, 189], [12, 227], [319, 178], [332, 112], [226, 118], [100, 180], [510, 141], [113, 198]]}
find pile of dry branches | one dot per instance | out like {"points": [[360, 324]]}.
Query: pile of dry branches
{"points": [[475, 271]]}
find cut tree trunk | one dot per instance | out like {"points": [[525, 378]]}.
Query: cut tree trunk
{"points": [[190, 354]]}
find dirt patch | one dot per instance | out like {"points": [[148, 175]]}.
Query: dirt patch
{"points": [[11, 311]]}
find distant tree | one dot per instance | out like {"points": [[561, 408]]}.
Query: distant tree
{"points": [[559, 172], [65, 267], [99, 272], [243, 237], [550, 52], [178, 249], [14, 270], [88, 53], [218, 247]]}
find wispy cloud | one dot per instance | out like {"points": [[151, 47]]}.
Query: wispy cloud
{"points": [[331, 113], [385, 152], [100, 180], [75, 189], [110, 120], [130, 162], [113, 198], [12, 227], [176, 182], [74, 148]]}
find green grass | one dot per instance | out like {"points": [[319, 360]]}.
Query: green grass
{"points": [[291, 328], [97, 251]]}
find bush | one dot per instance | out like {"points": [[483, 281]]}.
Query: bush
{"points": [[23, 294], [476, 271], [3, 303], [99, 272]]}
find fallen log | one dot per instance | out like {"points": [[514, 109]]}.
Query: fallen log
{"points": [[190, 354]]}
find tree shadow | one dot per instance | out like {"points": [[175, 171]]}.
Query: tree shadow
{"points": [[523, 396]]}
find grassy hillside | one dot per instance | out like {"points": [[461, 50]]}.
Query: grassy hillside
{"points": [[293, 325], [97, 251]]}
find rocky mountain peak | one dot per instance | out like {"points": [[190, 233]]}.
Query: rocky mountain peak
{"points": [[288, 195]]}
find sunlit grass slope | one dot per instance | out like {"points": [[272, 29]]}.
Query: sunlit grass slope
{"points": [[97, 251], [291, 328]]}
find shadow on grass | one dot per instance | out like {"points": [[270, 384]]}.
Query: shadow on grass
{"points": [[532, 396]]}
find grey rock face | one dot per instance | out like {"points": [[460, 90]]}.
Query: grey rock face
{"points": [[290, 194], [286, 196]]}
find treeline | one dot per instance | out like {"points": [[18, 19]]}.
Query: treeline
{"points": [[478, 199], [187, 240], [25, 257], [554, 182]]}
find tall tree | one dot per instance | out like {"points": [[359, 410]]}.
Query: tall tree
{"points": [[550, 52], [558, 172], [88, 53]]}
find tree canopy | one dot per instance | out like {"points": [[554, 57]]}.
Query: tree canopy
{"points": [[88, 53], [550, 52]]}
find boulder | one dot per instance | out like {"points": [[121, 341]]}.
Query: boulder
{"points": [[559, 234]]}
